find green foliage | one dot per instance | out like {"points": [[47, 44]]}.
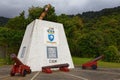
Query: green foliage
{"points": [[10, 39], [34, 12], [2, 62], [17, 23], [91, 44], [72, 27], [111, 52]]}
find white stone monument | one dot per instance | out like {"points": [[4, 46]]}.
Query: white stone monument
{"points": [[44, 44]]}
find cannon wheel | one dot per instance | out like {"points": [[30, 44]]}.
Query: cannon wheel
{"points": [[94, 67], [24, 73], [83, 67], [29, 71], [12, 74]]}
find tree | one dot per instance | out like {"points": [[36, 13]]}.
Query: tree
{"points": [[110, 53], [72, 26], [17, 23], [35, 12], [10, 40]]}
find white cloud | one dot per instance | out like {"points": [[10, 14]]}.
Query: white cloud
{"points": [[11, 8]]}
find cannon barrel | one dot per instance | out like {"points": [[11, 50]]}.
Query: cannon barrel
{"points": [[45, 11], [98, 58], [92, 63], [16, 60], [57, 66], [62, 67]]}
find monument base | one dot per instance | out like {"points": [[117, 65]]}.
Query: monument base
{"points": [[44, 44]]}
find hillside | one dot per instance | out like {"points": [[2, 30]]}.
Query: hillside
{"points": [[3, 21], [104, 12]]}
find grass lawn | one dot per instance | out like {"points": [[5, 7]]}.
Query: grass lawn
{"points": [[79, 61], [2, 62]]}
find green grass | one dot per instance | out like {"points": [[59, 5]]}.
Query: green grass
{"points": [[108, 64], [2, 62], [79, 61]]}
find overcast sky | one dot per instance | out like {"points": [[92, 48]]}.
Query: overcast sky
{"points": [[12, 8]]}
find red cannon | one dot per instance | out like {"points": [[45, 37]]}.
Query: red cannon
{"points": [[92, 64], [19, 67], [62, 67]]}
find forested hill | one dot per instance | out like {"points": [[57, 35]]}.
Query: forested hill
{"points": [[3, 20], [96, 14]]}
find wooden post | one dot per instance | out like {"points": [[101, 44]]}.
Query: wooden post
{"points": [[45, 11]]}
